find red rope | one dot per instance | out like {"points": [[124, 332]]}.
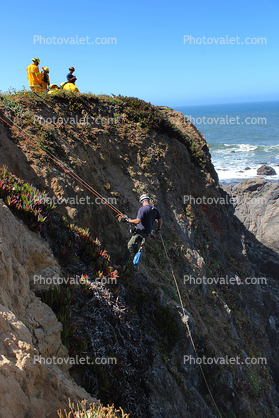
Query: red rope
{"points": [[63, 168]]}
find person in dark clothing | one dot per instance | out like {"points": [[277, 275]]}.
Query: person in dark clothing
{"points": [[144, 224], [70, 77]]}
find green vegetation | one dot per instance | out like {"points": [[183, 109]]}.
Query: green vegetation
{"points": [[48, 142], [255, 381], [14, 106], [151, 118], [170, 292], [29, 204], [77, 252], [81, 411], [145, 115], [75, 246]]}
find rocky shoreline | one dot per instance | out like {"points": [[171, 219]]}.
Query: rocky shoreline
{"points": [[256, 205]]}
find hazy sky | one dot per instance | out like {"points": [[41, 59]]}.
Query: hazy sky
{"points": [[166, 52]]}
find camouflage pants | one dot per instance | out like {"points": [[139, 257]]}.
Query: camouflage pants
{"points": [[133, 245]]}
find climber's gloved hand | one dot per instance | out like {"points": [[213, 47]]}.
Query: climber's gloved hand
{"points": [[123, 218], [158, 231]]}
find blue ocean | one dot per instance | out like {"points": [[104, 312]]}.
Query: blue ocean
{"points": [[241, 137]]}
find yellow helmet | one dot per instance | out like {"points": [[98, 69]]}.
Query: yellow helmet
{"points": [[36, 59], [46, 69], [52, 86]]}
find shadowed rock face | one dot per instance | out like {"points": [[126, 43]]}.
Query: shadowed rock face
{"points": [[256, 203], [203, 240]]}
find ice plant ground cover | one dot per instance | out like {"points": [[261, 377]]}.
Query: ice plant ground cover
{"points": [[110, 320]]}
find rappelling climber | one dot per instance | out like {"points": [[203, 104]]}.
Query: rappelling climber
{"points": [[44, 79], [70, 86], [34, 76], [144, 224], [70, 77]]}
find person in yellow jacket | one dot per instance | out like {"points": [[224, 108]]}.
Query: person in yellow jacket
{"points": [[44, 78], [69, 86], [53, 88], [33, 75]]}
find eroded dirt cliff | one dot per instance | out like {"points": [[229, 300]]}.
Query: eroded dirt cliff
{"points": [[139, 148]]}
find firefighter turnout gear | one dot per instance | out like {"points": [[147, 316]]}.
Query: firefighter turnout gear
{"points": [[34, 77], [53, 88], [70, 87], [44, 79]]}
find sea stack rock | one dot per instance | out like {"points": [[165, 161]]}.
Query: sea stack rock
{"points": [[265, 170]]}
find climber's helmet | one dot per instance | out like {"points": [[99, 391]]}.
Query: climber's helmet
{"points": [[144, 197]]}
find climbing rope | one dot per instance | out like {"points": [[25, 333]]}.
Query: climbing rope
{"points": [[69, 171], [62, 165], [185, 319]]}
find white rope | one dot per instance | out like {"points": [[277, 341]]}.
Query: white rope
{"points": [[185, 319]]}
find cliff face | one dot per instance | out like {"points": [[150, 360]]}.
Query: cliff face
{"points": [[28, 328], [255, 203], [138, 148]]}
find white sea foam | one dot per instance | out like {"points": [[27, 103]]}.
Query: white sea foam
{"points": [[236, 175], [236, 147]]}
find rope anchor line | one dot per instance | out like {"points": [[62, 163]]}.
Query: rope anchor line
{"points": [[62, 165], [185, 318]]}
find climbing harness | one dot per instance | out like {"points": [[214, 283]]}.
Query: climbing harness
{"points": [[138, 254], [136, 259]]}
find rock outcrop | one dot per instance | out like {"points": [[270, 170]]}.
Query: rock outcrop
{"points": [[256, 203], [266, 170], [30, 386]]}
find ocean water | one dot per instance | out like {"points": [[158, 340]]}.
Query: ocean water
{"points": [[241, 137]]}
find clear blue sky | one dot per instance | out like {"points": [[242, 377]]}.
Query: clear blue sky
{"points": [[150, 59]]}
